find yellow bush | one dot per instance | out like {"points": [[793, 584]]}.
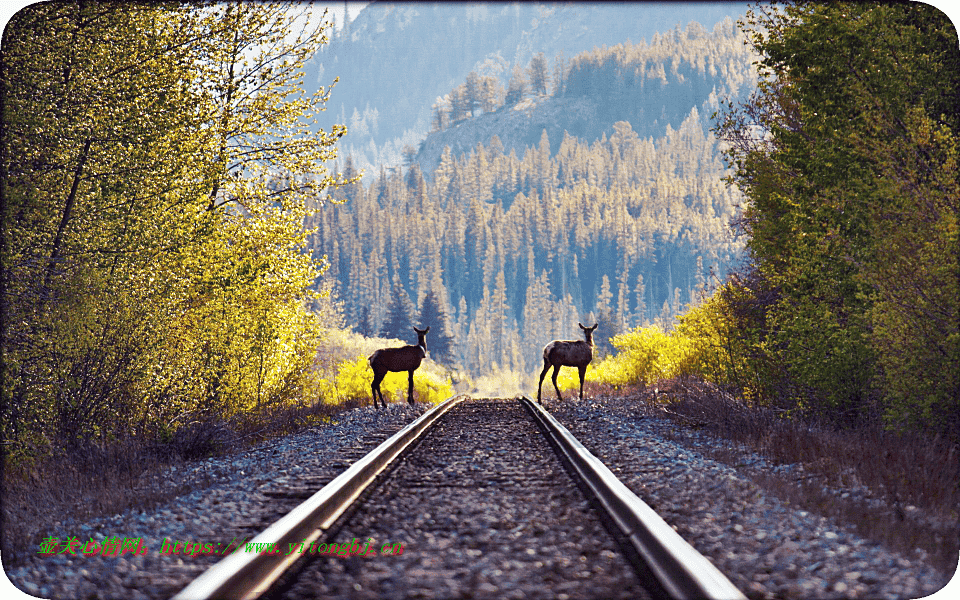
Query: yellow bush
{"points": [[647, 355], [569, 379], [354, 377]]}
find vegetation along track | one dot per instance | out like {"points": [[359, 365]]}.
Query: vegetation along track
{"points": [[480, 505]]}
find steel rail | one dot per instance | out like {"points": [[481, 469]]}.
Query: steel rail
{"points": [[246, 575], [682, 572]]}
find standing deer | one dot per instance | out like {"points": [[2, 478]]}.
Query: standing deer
{"points": [[406, 359], [563, 353]]}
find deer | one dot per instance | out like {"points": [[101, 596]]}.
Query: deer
{"points": [[565, 353], [406, 359]]}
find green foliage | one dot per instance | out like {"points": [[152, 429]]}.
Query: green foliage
{"points": [[157, 173], [851, 212]]}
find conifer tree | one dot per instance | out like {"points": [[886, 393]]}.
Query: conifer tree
{"points": [[539, 74], [559, 74], [473, 93], [398, 322], [433, 316], [517, 87], [605, 319]]}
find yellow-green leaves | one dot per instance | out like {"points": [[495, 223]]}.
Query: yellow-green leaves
{"points": [[850, 191], [159, 163]]}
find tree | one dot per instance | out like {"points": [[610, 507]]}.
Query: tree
{"points": [[559, 74], [156, 180], [441, 115], [517, 87], [433, 316], [539, 74], [398, 320], [459, 104], [492, 93], [854, 177], [606, 319], [473, 93]]}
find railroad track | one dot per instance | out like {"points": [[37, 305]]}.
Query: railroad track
{"points": [[476, 498]]}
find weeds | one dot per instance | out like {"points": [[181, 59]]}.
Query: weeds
{"points": [[95, 480], [915, 477]]}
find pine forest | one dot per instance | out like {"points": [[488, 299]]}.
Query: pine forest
{"points": [[519, 246]]}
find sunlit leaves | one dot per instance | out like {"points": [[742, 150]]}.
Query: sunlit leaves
{"points": [[159, 165]]}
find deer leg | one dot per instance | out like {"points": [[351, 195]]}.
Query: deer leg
{"points": [[546, 367], [410, 388], [583, 373], [375, 388], [556, 371]]}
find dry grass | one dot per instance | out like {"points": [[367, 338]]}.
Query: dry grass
{"points": [[105, 480], [916, 478]]}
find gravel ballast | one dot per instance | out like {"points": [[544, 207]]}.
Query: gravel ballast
{"points": [[767, 548]]}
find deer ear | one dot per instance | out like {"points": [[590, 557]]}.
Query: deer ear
{"points": [[594, 326], [427, 330], [581, 326]]}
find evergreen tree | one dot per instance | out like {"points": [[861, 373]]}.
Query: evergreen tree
{"points": [[433, 316], [606, 320], [559, 74], [516, 89], [539, 74], [397, 323], [364, 323], [492, 93], [473, 93]]}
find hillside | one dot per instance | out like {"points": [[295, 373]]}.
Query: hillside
{"points": [[602, 201], [517, 128], [395, 60], [654, 87]]}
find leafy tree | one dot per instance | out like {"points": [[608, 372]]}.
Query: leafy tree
{"points": [[156, 178], [854, 176]]}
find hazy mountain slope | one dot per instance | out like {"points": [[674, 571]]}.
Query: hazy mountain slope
{"points": [[654, 87], [394, 60]]}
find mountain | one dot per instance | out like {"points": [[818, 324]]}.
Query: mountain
{"points": [[654, 87], [595, 195], [395, 60]]}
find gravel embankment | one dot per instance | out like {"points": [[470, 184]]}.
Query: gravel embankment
{"points": [[767, 548], [232, 501]]}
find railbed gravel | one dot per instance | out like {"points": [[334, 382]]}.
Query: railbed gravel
{"points": [[484, 509], [767, 548], [233, 498]]}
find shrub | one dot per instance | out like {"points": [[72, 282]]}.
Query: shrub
{"points": [[354, 377]]}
